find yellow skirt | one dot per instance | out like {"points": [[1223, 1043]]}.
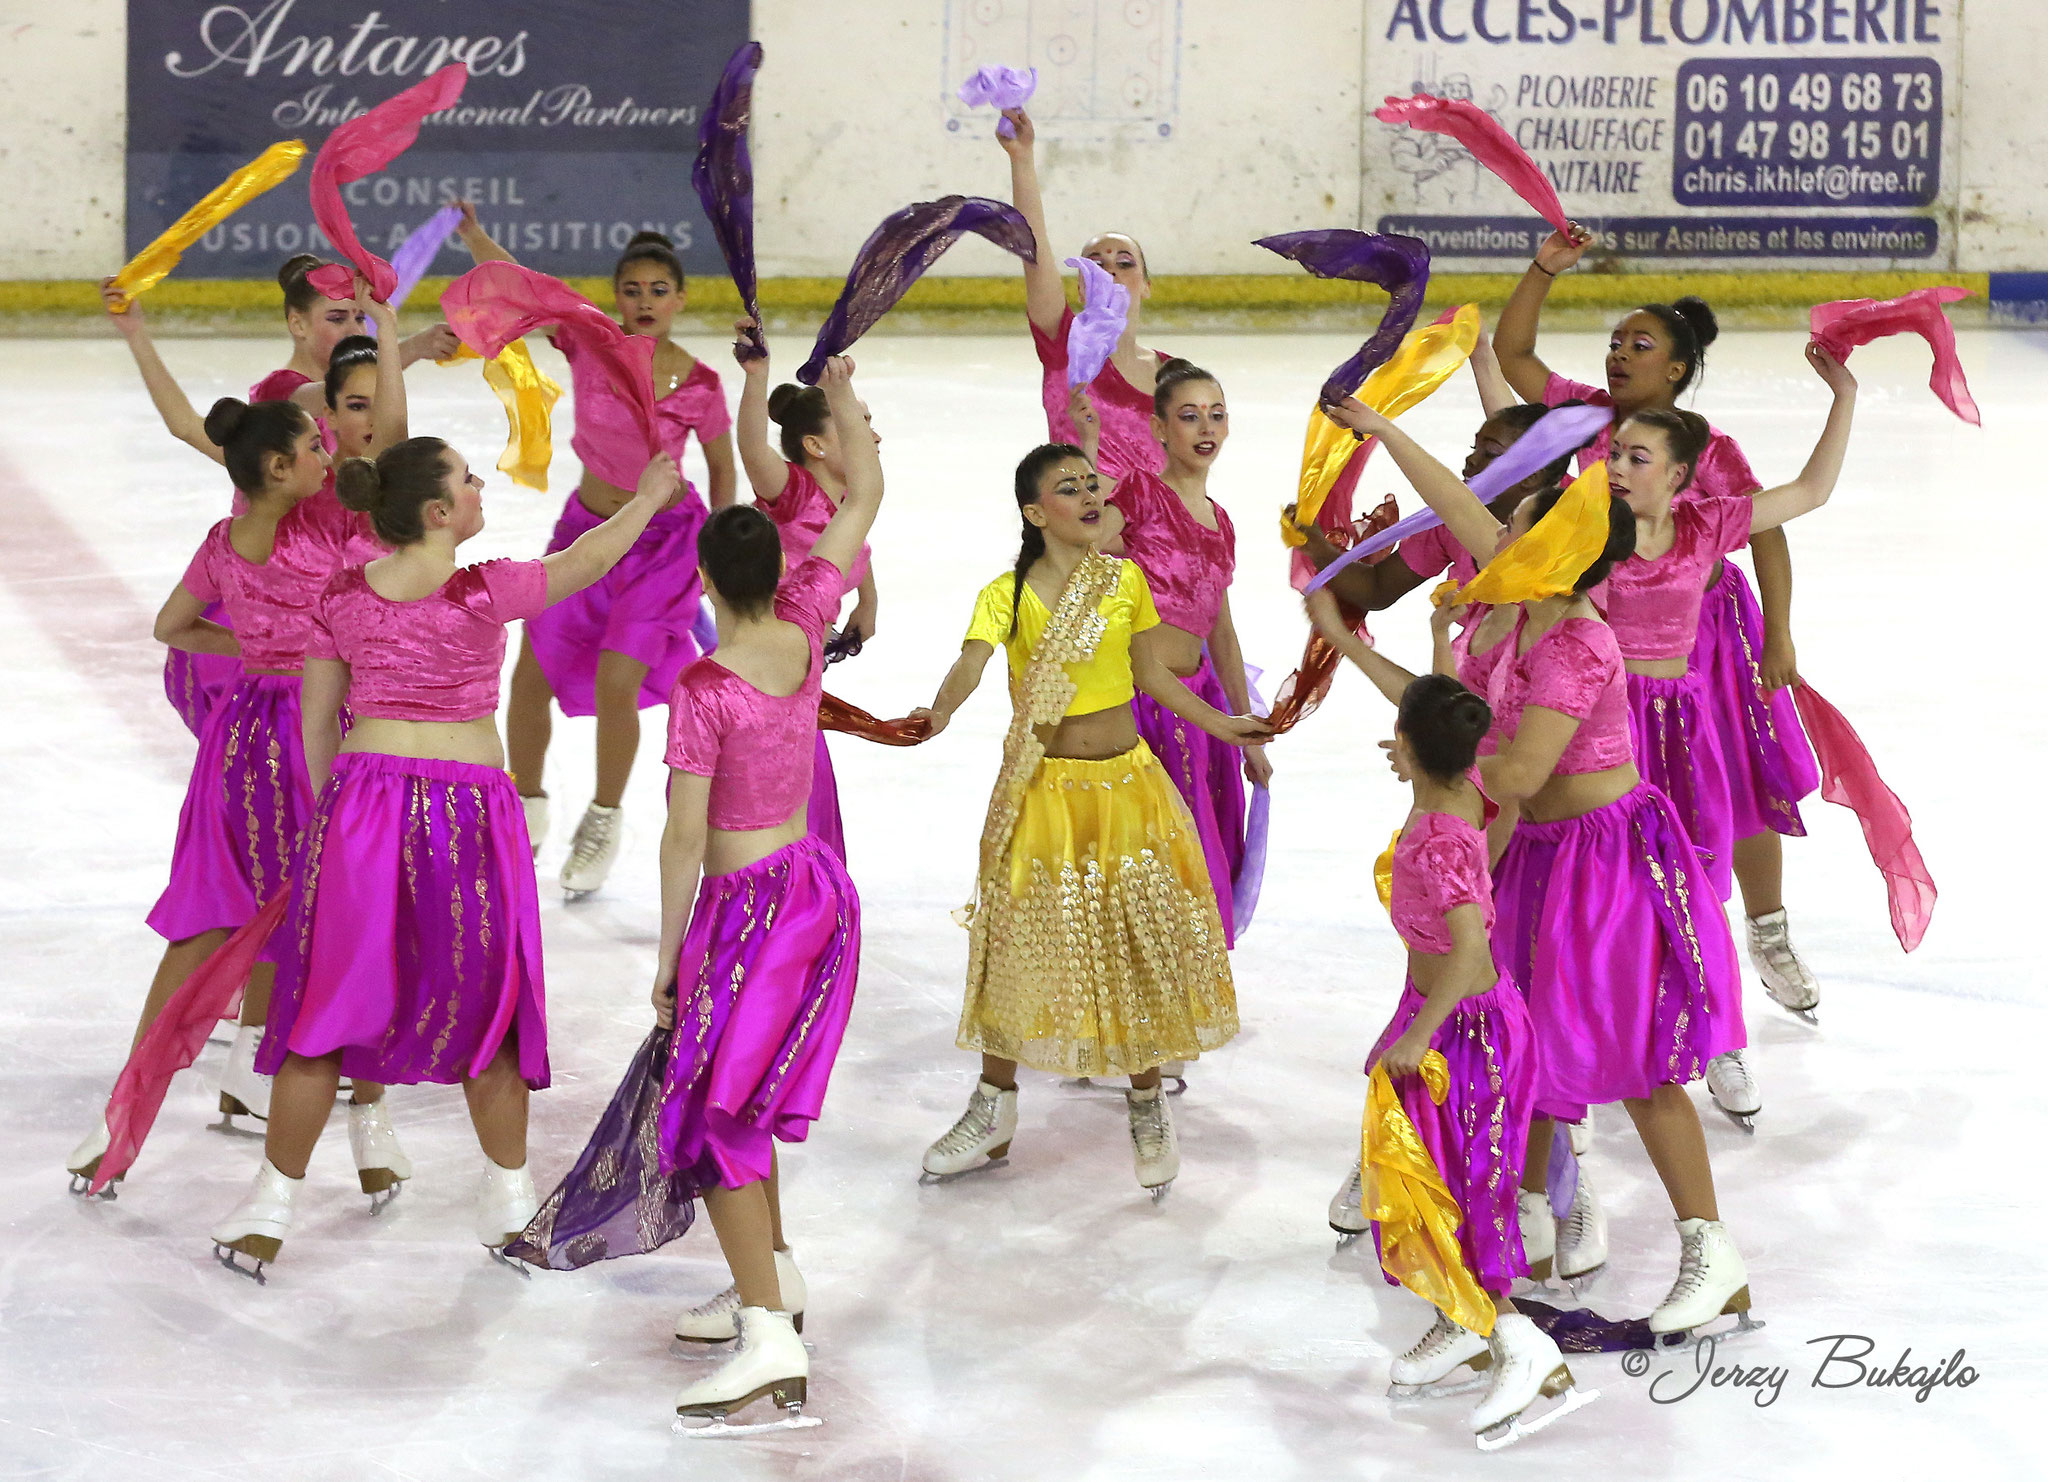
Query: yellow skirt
{"points": [[1106, 955]]}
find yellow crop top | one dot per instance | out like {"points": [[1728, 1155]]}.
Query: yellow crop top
{"points": [[1105, 680]]}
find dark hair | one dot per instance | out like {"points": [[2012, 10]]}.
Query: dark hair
{"points": [[298, 293], [250, 435], [742, 554], [1692, 327], [354, 350], [1029, 472], [1174, 374], [1444, 723], [801, 412], [393, 487], [1686, 435], [1525, 415], [654, 247], [1621, 536]]}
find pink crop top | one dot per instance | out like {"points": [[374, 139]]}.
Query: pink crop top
{"points": [[1439, 865], [757, 749], [1123, 412], [1475, 672], [607, 440], [1574, 669], [800, 517], [270, 606], [436, 658], [1654, 606], [1435, 552], [1723, 471], [1188, 565]]}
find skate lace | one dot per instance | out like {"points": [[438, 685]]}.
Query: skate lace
{"points": [[593, 835], [1734, 1073], [1692, 1269], [1574, 1231], [726, 1301], [1148, 1127], [1354, 1191], [1433, 1342], [975, 1124]]}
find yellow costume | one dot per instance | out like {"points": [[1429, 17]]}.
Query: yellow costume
{"points": [[1096, 946]]}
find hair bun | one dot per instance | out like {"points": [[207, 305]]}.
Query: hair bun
{"points": [[1705, 327], [780, 398], [651, 238], [296, 267], [224, 419], [358, 484]]}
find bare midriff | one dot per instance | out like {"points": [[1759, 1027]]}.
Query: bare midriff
{"points": [[1093, 737], [1178, 649], [472, 741], [730, 849], [1657, 668], [600, 498], [1575, 794]]}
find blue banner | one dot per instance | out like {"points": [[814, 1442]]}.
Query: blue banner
{"points": [[576, 129], [1707, 235]]}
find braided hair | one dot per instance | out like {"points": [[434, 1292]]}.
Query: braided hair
{"points": [[1029, 471]]}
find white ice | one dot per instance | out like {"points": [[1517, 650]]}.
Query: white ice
{"points": [[1043, 1320]]}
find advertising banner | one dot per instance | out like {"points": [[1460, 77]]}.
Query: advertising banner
{"points": [[576, 128], [1686, 133]]}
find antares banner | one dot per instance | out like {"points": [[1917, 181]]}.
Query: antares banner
{"points": [[1702, 133], [576, 128]]}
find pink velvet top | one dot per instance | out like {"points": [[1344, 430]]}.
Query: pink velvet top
{"points": [[607, 440], [1654, 606], [757, 749], [1439, 865], [1188, 565], [1435, 552], [800, 517], [1574, 669], [270, 605], [1123, 412], [1723, 470], [1475, 672], [435, 658]]}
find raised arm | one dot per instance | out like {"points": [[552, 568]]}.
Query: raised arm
{"points": [[841, 542], [1045, 294], [388, 426], [682, 860], [597, 551], [959, 683], [1495, 394], [169, 398], [1514, 337], [1388, 677], [1369, 586], [1773, 507], [1471, 522], [482, 248], [767, 470]]}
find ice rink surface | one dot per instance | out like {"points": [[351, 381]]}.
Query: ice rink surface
{"points": [[1043, 1320]]}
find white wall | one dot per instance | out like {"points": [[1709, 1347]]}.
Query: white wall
{"points": [[850, 122]]}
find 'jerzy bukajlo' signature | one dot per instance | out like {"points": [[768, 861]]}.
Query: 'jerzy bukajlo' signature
{"points": [[1841, 1366]]}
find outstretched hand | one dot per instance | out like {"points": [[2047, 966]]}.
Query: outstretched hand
{"points": [[1560, 252], [931, 718], [1356, 415], [752, 360], [1829, 369], [1020, 143], [837, 374], [124, 311]]}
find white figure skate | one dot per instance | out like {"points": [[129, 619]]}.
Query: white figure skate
{"points": [[257, 1228], [381, 1164], [980, 1139], [1712, 1281], [717, 1320], [1786, 978], [769, 1364], [1527, 1367], [1539, 1233], [84, 1162], [1154, 1147], [592, 852], [1347, 1208], [1446, 1360], [244, 1093], [506, 1203], [1734, 1090], [536, 811], [1582, 1235]]}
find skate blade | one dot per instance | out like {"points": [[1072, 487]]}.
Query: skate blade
{"points": [[81, 1182], [382, 1199], [228, 1256], [926, 1176], [497, 1253], [1689, 1338], [792, 1420], [1173, 1085], [706, 1421], [1159, 1192], [1516, 1427], [1745, 1120], [1464, 1379], [228, 1126], [1347, 1238]]}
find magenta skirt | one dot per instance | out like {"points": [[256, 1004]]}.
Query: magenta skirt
{"points": [[1479, 1136], [645, 608], [825, 823], [1679, 755], [412, 946], [1769, 761], [1210, 777], [1629, 970], [244, 807], [763, 989], [194, 683]]}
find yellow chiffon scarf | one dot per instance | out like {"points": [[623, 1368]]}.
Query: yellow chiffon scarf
{"points": [[1407, 1198]]}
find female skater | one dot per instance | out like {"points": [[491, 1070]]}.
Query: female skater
{"points": [[1184, 543], [1096, 948], [801, 490], [412, 949], [1746, 654], [1604, 921], [1122, 394], [617, 648], [758, 977], [1458, 1002]]}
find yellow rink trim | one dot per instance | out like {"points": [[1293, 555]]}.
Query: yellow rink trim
{"points": [[1261, 293]]}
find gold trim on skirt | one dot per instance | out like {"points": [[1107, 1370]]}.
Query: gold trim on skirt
{"points": [[1105, 956]]}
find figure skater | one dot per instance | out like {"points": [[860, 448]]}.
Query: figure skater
{"points": [[617, 648], [412, 949], [1096, 946]]}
